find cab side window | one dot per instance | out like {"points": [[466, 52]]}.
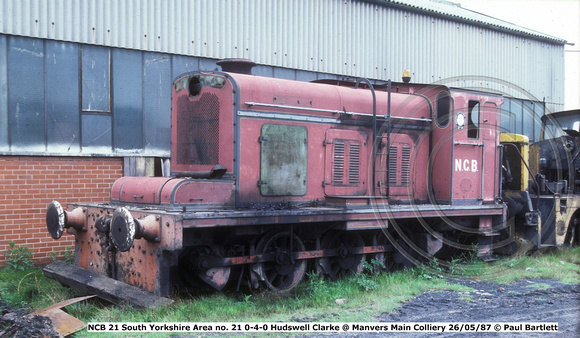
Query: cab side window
{"points": [[473, 119]]}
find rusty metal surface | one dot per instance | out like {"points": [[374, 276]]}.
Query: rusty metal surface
{"points": [[63, 323]]}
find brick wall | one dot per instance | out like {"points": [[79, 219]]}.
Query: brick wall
{"points": [[29, 184]]}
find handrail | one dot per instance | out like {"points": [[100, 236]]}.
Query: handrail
{"points": [[374, 154], [412, 119]]}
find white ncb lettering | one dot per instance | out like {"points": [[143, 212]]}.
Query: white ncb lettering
{"points": [[465, 165]]}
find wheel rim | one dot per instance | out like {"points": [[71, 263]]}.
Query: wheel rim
{"points": [[283, 273], [344, 263]]}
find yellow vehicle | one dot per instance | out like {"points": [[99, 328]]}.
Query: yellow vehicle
{"points": [[541, 183]]}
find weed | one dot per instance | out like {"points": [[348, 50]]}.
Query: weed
{"points": [[67, 254], [430, 270], [18, 257], [364, 280], [315, 283]]}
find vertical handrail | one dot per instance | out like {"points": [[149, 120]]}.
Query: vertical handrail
{"points": [[388, 119], [358, 81]]}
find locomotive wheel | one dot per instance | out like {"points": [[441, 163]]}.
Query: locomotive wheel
{"points": [[398, 260], [345, 263], [381, 257], [284, 273], [196, 264]]}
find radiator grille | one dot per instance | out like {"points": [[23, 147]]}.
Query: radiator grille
{"points": [[198, 130]]}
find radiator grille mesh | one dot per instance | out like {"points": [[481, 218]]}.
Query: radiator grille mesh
{"points": [[198, 130]]}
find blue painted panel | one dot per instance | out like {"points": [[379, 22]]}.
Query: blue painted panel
{"points": [[183, 64], [305, 76], [517, 109], [284, 73], [208, 64], [97, 135], [506, 116], [96, 75], [62, 97], [128, 99], [4, 145], [528, 120], [260, 70], [157, 83], [539, 111], [26, 95]]}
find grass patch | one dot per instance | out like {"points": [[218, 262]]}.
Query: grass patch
{"points": [[360, 297], [466, 298], [539, 286]]}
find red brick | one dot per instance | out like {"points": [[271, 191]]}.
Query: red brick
{"points": [[28, 184]]}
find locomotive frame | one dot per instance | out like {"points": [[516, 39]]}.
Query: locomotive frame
{"points": [[270, 175]]}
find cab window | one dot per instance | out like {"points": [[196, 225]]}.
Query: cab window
{"points": [[473, 119]]}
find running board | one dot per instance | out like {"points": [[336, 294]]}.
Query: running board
{"points": [[106, 288]]}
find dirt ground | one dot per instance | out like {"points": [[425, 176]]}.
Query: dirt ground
{"points": [[536, 300]]}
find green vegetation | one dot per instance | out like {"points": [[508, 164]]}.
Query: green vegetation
{"points": [[357, 298], [68, 255], [18, 257]]}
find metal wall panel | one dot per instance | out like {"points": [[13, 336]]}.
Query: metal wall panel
{"points": [[4, 143], [26, 94], [372, 39], [96, 78], [157, 82], [62, 97], [96, 133], [128, 99]]}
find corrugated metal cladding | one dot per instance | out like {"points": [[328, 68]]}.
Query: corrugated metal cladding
{"points": [[373, 39]]}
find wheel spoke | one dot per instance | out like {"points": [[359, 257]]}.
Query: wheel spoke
{"points": [[345, 262], [280, 275]]}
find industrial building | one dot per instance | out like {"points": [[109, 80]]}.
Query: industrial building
{"points": [[85, 85]]}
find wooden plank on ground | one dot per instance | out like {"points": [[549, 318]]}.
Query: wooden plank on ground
{"points": [[104, 287]]}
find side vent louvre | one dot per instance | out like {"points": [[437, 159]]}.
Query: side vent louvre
{"points": [[354, 163], [400, 164], [346, 167], [393, 151], [338, 174], [405, 164]]}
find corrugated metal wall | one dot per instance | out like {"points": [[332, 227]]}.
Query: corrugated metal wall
{"points": [[346, 37]]}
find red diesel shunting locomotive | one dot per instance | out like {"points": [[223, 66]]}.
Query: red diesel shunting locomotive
{"points": [[269, 175]]}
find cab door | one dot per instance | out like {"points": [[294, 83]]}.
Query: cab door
{"points": [[490, 158], [467, 159]]}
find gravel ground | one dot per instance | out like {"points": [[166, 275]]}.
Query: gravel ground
{"points": [[537, 300]]}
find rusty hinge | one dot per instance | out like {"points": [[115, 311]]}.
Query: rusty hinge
{"points": [[325, 142], [261, 182], [262, 138], [325, 183]]}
